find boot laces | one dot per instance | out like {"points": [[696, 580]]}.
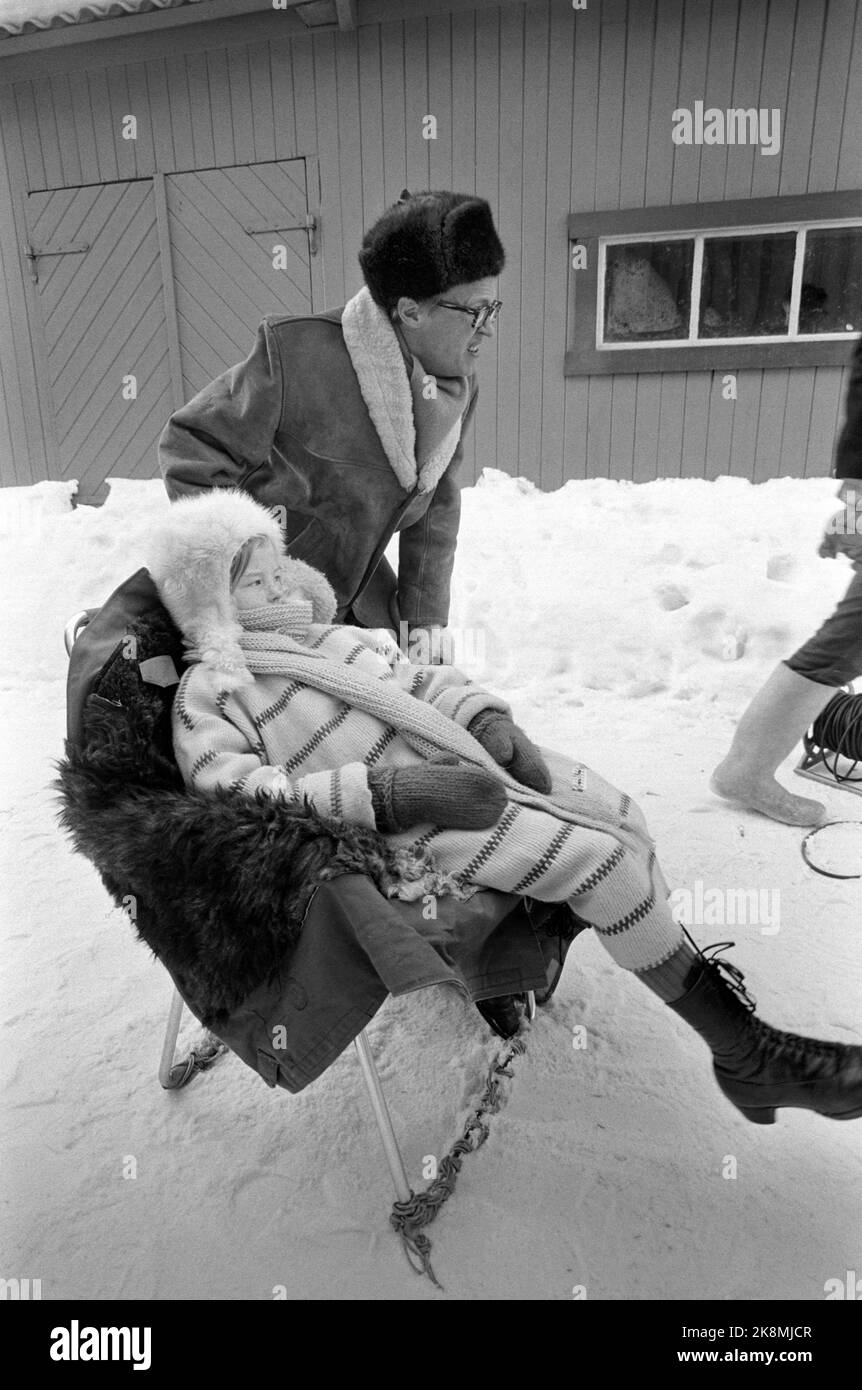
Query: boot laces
{"points": [[801, 1048], [793, 1045], [730, 972]]}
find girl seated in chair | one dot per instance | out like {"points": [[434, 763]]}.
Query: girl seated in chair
{"points": [[279, 701]]}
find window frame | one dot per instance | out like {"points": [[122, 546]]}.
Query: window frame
{"points": [[749, 216]]}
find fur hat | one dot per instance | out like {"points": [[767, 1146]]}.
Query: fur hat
{"points": [[189, 559], [428, 242]]}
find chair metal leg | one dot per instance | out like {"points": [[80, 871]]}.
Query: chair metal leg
{"points": [[173, 1074], [403, 1190], [531, 1004], [170, 1044], [381, 1115]]}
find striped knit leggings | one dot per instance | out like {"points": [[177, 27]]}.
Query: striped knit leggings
{"points": [[619, 889]]}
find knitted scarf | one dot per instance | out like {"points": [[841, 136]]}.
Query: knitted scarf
{"points": [[409, 424], [272, 645]]}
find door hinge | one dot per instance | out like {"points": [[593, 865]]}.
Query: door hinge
{"points": [[67, 248], [310, 225]]}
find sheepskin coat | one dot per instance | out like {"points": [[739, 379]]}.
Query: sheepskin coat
{"points": [[318, 421]]}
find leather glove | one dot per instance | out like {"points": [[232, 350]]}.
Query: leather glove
{"points": [[836, 541], [844, 529], [436, 793], [828, 548], [510, 747]]}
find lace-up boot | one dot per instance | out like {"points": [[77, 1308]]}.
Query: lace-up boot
{"points": [[760, 1068]]}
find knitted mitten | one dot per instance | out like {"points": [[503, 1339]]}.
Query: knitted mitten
{"points": [[463, 798], [510, 747]]}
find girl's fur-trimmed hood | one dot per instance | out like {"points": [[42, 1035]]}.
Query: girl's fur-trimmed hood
{"points": [[189, 557]]}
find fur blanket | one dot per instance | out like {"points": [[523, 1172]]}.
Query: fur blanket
{"points": [[217, 886]]}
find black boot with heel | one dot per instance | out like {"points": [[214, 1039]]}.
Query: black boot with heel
{"points": [[760, 1068]]}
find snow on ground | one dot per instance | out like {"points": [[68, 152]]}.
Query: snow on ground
{"points": [[627, 624]]}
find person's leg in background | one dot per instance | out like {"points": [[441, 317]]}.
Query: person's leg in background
{"points": [[769, 730], [782, 710]]}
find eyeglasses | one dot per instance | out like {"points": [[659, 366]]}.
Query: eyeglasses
{"points": [[485, 313]]}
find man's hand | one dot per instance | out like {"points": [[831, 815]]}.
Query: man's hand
{"points": [[431, 646], [510, 747], [843, 534]]}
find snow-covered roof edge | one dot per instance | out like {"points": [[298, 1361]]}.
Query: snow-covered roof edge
{"points": [[53, 18]]}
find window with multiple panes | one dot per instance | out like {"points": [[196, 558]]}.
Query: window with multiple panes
{"points": [[770, 282]]}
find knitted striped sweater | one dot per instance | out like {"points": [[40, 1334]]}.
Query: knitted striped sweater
{"points": [[585, 842], [292, 740]]}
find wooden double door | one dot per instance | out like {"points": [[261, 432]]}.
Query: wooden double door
{"points": [[151, 287]]}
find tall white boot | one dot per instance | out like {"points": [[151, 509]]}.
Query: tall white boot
{"points": [[768, 731]]}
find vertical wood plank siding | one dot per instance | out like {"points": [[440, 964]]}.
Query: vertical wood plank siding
{"points": [[17, 371], [540, 108], [488, 420]]}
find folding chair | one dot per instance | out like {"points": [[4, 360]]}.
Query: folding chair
{"points": [[175, 1074]]}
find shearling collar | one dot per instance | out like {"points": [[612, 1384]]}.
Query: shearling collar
{"points": [[379, 365]]}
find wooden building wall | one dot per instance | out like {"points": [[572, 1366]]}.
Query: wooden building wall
{"points": [[540, 108]]}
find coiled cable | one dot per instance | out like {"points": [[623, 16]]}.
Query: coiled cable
{"points": [[837, 733]]}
